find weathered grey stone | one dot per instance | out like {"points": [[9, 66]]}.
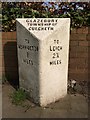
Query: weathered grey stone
{"points": [[43, 48]]}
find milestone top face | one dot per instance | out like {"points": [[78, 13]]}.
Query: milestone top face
{"points": [[43, 27]]}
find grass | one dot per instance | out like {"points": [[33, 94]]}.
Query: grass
{"points": [[18, 97]]}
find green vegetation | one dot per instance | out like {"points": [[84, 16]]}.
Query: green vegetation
{"points": [[77, 11], [18, 97]]}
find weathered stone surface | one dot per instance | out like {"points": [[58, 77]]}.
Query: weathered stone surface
{"points": [[43, 48]]}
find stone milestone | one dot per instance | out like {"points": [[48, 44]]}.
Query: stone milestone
{"points": [[43, 52]]}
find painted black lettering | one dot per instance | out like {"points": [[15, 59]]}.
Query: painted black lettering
{"points": [[50, 48], [55, 55], [26, 40]]}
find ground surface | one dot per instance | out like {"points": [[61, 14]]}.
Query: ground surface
{"points": [[72, 106]]}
